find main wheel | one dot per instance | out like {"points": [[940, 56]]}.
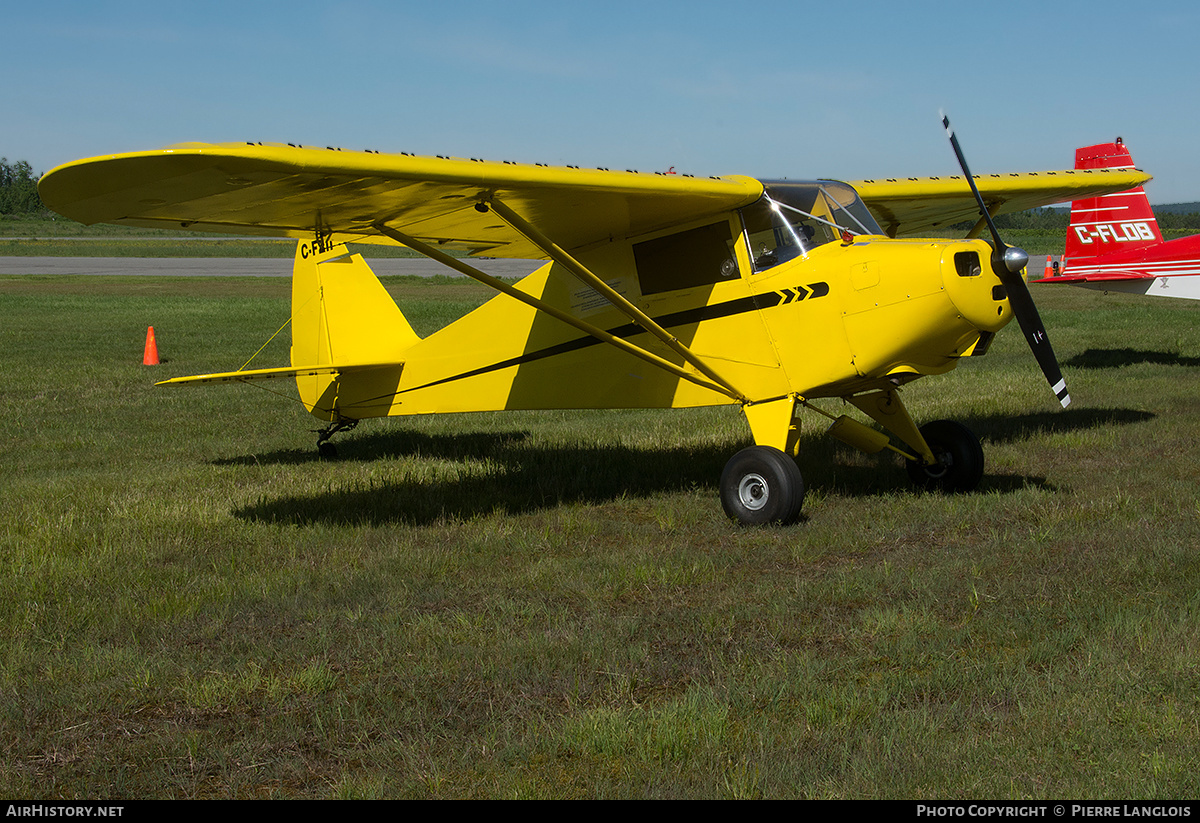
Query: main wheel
{"points": [[760, 485], [960, 458]]}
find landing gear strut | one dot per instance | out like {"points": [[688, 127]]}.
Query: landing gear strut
{"points": [[324, 447]]}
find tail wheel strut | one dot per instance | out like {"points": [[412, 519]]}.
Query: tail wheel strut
{"points": [[324, 447]]}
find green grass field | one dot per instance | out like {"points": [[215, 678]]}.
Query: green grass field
{"points": [[552, 605]]}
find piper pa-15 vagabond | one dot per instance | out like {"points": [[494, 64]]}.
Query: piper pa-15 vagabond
{"points": [[1114, 243], [659, 291]]}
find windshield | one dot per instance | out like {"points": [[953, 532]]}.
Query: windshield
{"points": [[792, 219]]}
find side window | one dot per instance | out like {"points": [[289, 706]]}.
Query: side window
{"points": [[696, 257], [772, 240], [776, 233], [793, 218]]}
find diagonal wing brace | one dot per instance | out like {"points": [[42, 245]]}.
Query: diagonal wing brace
{"points": [[587, 328], [982, 222], [560, 256]]}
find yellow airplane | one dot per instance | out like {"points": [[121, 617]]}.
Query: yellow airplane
{"points": [[659, 290]]}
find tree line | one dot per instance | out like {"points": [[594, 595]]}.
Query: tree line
{"points": [[1183, 216], [18, 189]]}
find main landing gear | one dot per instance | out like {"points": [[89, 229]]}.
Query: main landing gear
{"points": [[959, 455], [762, 485]]}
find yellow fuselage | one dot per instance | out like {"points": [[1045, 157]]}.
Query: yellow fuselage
{"points": [[845, 318]]}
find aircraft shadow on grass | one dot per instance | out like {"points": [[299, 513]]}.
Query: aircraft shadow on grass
{"points": [[1115, 358], [512, 476]]}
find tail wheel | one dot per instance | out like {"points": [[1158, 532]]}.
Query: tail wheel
{"points": [[959, 455], [761, 485]]}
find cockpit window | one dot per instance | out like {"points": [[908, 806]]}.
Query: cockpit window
{"points": [[792, 219]]}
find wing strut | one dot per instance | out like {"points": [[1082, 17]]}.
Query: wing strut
{"points": [[570, 319], [560, 256], [982, 223]]}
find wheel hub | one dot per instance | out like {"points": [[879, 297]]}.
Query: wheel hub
{"points": [[753, 492], [941, 468]]}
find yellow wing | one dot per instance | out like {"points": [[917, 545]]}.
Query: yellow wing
{"points": [[287, 191], [916, 205]]}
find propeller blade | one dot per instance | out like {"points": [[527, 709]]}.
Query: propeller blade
{"points": [[1007, 263], [1035, 335]]}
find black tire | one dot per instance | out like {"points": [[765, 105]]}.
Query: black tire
{"points": [[960, 458], [327, 450], [762, 485]]}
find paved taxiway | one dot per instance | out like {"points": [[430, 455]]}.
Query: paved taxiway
{"points": [[240, 267]]}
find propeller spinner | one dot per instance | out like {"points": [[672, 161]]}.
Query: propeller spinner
{"points": [[1007, 262]]}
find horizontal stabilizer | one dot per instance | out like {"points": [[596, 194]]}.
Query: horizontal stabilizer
{"points": [[1097, 276], [251, 375]]}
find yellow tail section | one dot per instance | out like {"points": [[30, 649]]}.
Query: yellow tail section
{"points": [[343, 319]]}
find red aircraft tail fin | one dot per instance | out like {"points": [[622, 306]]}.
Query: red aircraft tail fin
{"points": [[1117, 222]]}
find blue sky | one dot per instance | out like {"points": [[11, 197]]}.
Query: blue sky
{"points": [[768, 89]]}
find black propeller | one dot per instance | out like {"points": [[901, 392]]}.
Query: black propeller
{"points": [[1007, 262]]}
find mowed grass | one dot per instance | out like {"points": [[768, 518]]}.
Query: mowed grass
{"points": [[552, 605]]}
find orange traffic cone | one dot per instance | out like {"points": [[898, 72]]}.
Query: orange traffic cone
{"points": [[150, 358], [1049, 265]]}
